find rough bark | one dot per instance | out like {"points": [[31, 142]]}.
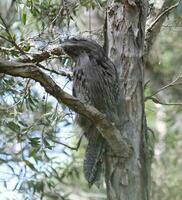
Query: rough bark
{"points": [[155, 22], [128, 180], [106, 128]]}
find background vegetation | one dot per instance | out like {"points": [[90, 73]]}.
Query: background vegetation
{"points": [[40, 151]]}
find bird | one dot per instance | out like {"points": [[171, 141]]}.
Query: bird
{"points": [[95, 82]]}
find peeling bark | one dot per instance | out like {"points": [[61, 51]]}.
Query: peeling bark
{"points": [[125, 30], [155, 22]]}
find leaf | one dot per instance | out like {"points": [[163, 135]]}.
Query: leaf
{"points": [[30, 99], [33, 153], [27, 47], [50, 184], [13, 37], [40, 186], [13, 126], [35, 142], [47, 145], [24, 18], [29, 164], [23, 123]]}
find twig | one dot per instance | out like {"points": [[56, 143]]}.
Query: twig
{"points": [[8, 50], [62, 73], [36, 58], [72, 148], [165, 12], [1, 36], [146, 84], [154, 27], [151, 130], [61, 10], [10, 36], [173, 83], [6, 109], [39, 57], [157, 101]]}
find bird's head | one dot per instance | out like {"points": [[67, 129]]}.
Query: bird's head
{"points": [[74, 47]]}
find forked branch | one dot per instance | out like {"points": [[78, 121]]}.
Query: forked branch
{"points": [[154, 28]]}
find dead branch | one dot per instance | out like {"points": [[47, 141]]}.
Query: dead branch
{"points": [[165, 12], [154, 28], [157, 101], [69, 147], [173, 83]]}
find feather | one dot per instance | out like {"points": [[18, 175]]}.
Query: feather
{"points": [[95, 82]]}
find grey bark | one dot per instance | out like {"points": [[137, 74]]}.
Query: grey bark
{"points": [[154, 24], [125, 30]]}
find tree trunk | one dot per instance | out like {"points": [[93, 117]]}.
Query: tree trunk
{"points": [[128, 180]]}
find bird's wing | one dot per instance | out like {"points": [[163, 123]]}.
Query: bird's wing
{"points": [[95, 83]]}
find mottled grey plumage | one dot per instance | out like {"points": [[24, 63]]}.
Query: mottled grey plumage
{"points": [[95, 82]]}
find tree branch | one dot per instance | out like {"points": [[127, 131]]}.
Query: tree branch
{"points": [[39, 57], [11, 39], [106, 128], [154, 28], [157, 101], [62, 73], [163, 14], [72, 148], [173, 83]]}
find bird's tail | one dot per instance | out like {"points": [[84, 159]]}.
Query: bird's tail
{"points": [[93, 156]]}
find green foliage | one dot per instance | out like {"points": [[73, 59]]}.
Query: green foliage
{"points": [[35, 128], [36, 131], [165, 121]]}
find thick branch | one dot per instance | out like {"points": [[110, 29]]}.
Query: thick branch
{"points": [[107, 129]]}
